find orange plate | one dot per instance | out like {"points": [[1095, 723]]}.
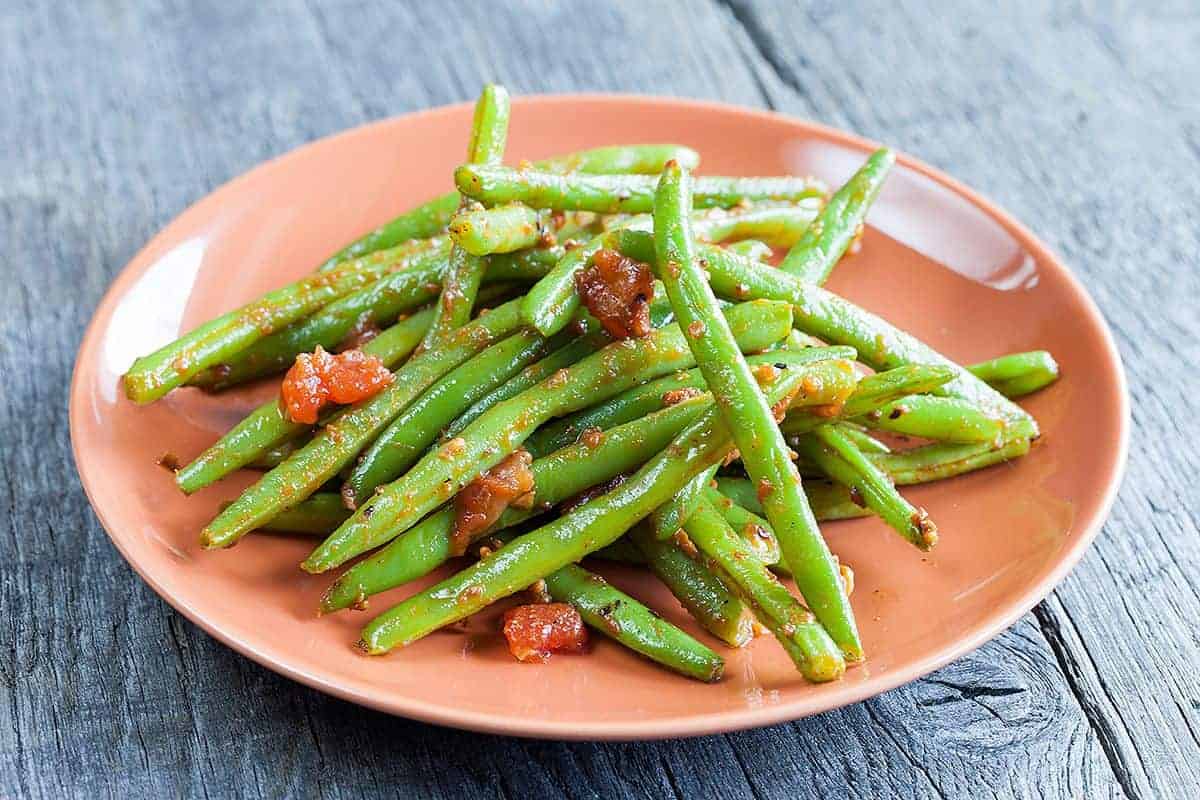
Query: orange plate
{"points": [[938, 261]]}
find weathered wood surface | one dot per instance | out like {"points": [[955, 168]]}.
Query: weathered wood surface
{"points": [[1084, 121]]}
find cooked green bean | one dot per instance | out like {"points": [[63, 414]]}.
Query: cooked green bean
{"points": [[432, 217], [696, 588], [441, 473], [217, 340], [747, 415], [861, 439], [828, 382], [571, 537], [872, 392], [315, 516], [838, 458], [935, 462], [337, 442], [532, 375], [502, 229], [944, 419], [618, 194], [755, 530], [376, 304], [795, 628], [418, 426], [553, 300], [489, 135], [268, 426], [879, 344], [625, 620], [670, 516], [1018, 374], [813, 257], [753, 249], [556, 478]]}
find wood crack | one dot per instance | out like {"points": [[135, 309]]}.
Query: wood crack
{"points": [[1097, 720]]}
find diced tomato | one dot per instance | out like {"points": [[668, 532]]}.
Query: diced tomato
{"points": [[536, 631], [319, 378]]}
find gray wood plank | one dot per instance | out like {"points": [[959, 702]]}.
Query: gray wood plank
{"points": [[1125, 619], [129, 115]]}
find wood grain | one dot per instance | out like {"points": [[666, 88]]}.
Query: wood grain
{"points": [[1082, 121]]}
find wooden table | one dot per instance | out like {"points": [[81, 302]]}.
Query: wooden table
{"points": [[1084, 123]]}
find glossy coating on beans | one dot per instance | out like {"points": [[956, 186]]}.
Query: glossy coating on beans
{"points": [[333, 447], [440, 474], [747, 415], [564, 541]]}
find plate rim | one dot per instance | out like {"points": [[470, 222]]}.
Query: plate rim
{"points": [[678, 726]]}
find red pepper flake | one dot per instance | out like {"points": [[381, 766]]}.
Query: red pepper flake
{"points": [[676, 396], [765, 487], [483, 500], [168, 461], [927, 532], [684, 543], [592, 437], [765, 374], [857, 498], [847, 578], [536, 631], [317, 379], [617, 290]]}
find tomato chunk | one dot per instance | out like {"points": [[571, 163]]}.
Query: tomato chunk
{"points": [[320, 378], [617, 290], [535, 631], [483, 500]]}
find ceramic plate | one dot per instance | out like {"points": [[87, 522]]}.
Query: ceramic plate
{"points": [[938, 260]]}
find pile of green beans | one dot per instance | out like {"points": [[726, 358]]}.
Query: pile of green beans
{"points": [[707, 451]]}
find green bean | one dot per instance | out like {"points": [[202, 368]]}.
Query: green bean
{"points": [[489, 135], [755, 530], [553, 300], [625, 620], [276, 455], [946, 419], [861, 439], [376, 304], [617, 194], [636, 159], [502, 229], [217, 340], [696, 588], [753, 249], [939, 461], [568, 539], [670, 516], [622, 551], [828, 501], [828, 382], [337, 442], [426, 220], [532, 375], [794, 626], [747, 415], [556, 478], [879, 344], [815, 255], [317, 515], [500, 431], [268, 426], [872, 392], [1018, 374], [838, 458], [418, 426]]}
